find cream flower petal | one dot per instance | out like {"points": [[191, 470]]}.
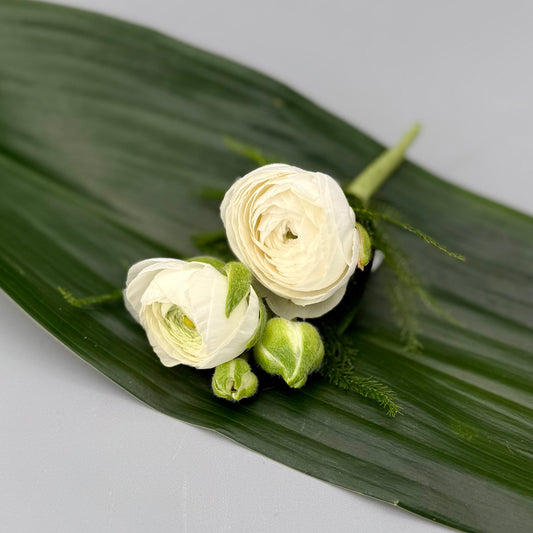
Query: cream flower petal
{"points": [[181, 305], [289, 310], [140, 275], [296, 232]]}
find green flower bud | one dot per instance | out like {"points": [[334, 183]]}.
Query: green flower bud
{"points": [[365, 246], [234, 380], [289, 349]]}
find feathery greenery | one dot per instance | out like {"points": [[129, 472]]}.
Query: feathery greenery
{"points": [[339, 370], [404, 308], [250, 152], [403, 293], [369, 214], [89, 300], [245, 150]]}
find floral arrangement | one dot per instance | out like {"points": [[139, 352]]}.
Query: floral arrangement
{"points": [[116, 143], [299, 244]]}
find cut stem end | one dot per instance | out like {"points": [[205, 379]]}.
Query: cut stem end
{"points": [[366, 184]]}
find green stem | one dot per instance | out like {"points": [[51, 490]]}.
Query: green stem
{"points": [[365, 185]]}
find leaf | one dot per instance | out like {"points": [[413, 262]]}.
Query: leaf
{"points": [[108, 134]]}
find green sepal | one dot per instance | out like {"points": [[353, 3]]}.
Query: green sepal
{"points": [[239, 280], [213, 261], [263, 316], [365, 246]]}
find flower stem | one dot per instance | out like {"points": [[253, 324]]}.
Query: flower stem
{"points": [[366, 184]]}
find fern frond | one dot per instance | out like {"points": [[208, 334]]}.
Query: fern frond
{"points": [[405, 314], [90, 300], [369, 214], [249, 151], [398, 262], [339, 370], [368, 387], [373, 389]]}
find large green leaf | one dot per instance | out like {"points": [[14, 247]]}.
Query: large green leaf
{"points": [[108, 133]]}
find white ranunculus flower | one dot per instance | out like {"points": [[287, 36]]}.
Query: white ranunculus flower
{"points": [[296, 232], [181, 305]]}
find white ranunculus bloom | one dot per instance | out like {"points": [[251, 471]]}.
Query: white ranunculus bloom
{"points": [[296, 232], [181, 305]]}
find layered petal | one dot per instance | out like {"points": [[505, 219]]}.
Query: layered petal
{"points": [[296, 232], [181, 305]]}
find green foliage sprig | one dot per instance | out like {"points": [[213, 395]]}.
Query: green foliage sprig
{"points": [[245, 150], [371, 215], [89, 300], [408, 290], [339, 370], [250, 152]]}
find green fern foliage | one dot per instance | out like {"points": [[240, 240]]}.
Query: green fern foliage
{"points": [[339, 370], [90, 300], [368, 214], [250, 152]]}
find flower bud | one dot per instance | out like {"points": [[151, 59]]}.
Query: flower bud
{"points": [[365, 246], [234, 380], [289, 349]]}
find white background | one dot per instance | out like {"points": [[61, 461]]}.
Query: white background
{"points": [[77, 453]]}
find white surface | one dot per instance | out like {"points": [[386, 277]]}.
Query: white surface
{"points": [[77, 453]]}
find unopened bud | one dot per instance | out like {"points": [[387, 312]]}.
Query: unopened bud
{"points": [[234, 380], [289, 349], [365, 246]]}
